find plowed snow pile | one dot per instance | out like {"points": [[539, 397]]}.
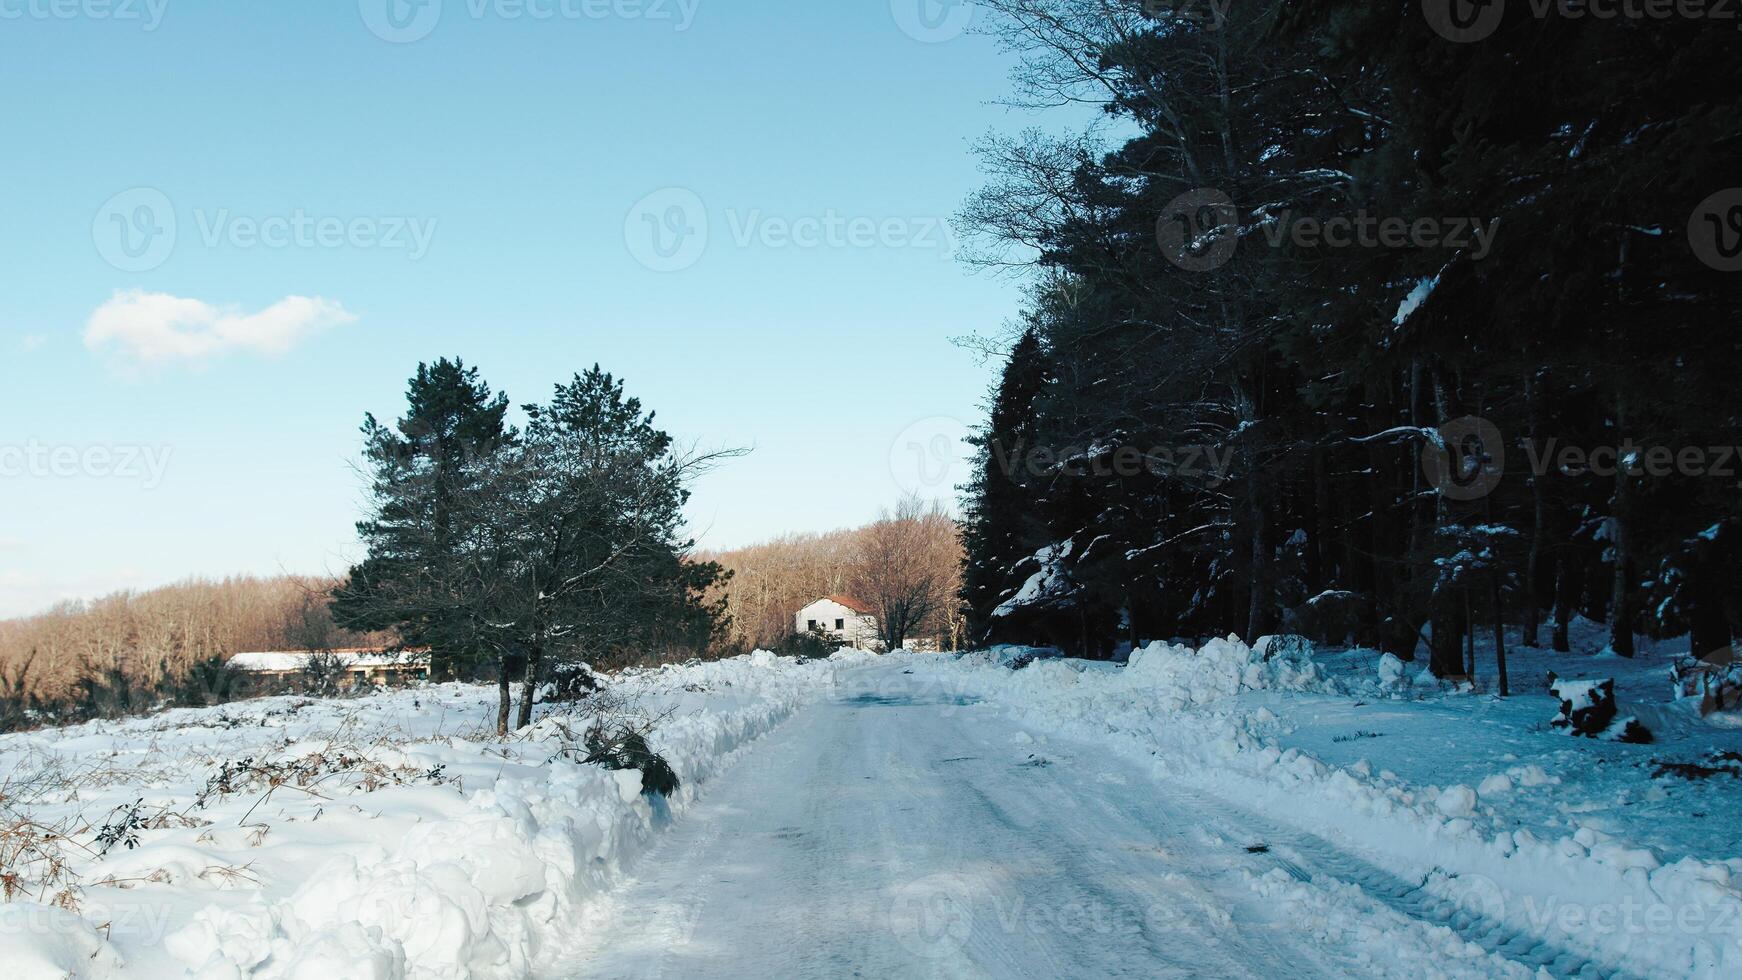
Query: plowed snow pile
{"points": [[380, 837], [1573, 842]]}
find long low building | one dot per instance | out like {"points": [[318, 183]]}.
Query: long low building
{"points": [[376, 665]]}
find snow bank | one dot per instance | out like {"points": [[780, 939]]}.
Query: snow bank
{"points": [[429, 851], [1188, 712], [46, 943]]}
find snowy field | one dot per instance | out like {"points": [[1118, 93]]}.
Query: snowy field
{"points": [[1209, 811], [385, 836]]}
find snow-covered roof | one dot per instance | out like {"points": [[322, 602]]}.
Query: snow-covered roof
{"points": [[295, 660], [857, 606]]}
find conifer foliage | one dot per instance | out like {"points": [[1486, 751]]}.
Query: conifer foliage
{"points": [[524, 550], [1350, 324]]}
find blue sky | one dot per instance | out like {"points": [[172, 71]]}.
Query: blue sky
{"points": [[230, 229]]}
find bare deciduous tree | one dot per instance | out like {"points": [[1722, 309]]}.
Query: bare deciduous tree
{"points": [[906, 565]]}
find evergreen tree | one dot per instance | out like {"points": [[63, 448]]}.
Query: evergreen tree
{"points": [[1389, 412]]}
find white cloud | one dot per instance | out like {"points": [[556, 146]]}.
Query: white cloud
{"points": [[157, 328], [32, 342]]}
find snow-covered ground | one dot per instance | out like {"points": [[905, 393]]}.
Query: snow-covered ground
{"points": [[384, 836], [1208, 811], [1513, 833]]}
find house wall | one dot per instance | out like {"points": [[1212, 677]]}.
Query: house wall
{"points": [[856, 629]]}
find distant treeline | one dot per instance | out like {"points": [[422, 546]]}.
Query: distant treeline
{"points": [[771, 581], [129, 651]]}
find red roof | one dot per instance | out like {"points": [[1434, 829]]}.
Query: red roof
{"points": [[851, 603]]}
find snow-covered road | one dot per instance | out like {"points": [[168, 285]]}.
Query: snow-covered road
{"points": [[898, 830]]}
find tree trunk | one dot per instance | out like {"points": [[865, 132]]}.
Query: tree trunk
{"points": [[1709, 628], [1620, 598], [1499, 632], [1261, 612], [529, 689], [1445, 646], [1469, 638], [1563, 601], [503, 696], [1318, 548], [1538, 522]]}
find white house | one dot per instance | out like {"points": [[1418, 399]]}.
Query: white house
{"points": [[847, 619]]}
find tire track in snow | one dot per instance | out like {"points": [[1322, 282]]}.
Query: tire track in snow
{"points": [[1307, 858], [883, 838]]}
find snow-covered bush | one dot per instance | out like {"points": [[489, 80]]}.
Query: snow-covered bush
{"points": [[1588, 709], [625, 747], [816, 644], [1391, 672], [569, 682]]}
